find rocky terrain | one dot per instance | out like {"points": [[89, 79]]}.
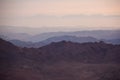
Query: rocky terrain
{"points": [[63, 60]]}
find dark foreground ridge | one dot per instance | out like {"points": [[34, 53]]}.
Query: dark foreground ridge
{"points": [[60, 61]]}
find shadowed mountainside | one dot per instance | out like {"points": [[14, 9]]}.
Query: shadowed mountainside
{"points": [[63, 60]]}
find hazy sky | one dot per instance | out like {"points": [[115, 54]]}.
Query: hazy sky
{"points": [[85, 14]]}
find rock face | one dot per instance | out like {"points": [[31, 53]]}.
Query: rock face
{"points": [[63, 60]]}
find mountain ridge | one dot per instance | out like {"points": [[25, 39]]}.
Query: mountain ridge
{"points": [[60, 60], [61, 38]]}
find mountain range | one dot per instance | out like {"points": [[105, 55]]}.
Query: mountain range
{"points": [[64, 60], [61, 38], [53, 39], [98, 34]]}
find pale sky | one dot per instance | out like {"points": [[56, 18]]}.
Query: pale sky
{"points": [[96, 14]]}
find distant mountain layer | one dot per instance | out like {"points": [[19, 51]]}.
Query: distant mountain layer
{"points": [[61, 38], [53, 39], [63, 60], [98, 34], [21, 43], [113, 41]]}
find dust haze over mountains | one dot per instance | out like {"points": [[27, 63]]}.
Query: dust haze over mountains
{"points": [[22, 37], [61, 55], [59, 40], [66, 55], [43, 33], [46, 29]]}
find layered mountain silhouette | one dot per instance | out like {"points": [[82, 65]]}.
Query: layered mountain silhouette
{"points": [[23, 43], [64, 60], [61, 38], [98, 34], [53, 39], [70, 50]]}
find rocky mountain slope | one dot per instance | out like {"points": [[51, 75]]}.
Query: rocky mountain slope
{"points": [[63, 60]]}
